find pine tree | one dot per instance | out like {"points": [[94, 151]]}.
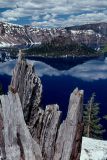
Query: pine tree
{"points": [[92, 126]]}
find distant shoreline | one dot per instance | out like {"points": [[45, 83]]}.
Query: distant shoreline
{"points": [[13, 53]]}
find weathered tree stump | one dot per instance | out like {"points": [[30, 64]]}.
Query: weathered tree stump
{"points": [[52, 140], [15, 136], [69, 133]]}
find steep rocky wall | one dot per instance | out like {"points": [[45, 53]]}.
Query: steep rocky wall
{"points": [[92, 35], [53, 140]]}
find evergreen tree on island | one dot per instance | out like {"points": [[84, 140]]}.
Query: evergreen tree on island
{"points": [[92, 126]]}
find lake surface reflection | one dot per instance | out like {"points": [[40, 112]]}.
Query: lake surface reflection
{"points": [[91, 76]]}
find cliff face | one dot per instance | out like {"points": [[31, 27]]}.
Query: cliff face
{"points": [[100, 28], [52, 140], [92, 35]]}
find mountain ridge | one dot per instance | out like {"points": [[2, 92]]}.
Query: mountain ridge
{"points": [[93, 36]]}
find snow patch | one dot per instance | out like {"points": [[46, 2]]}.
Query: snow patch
{"points": [[93, 149], [5, 44], [87, 32]]}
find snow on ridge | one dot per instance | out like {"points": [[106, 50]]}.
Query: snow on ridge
{"points": [[86, 32], [12, 24], [89, 32], [93, 149], [5, 44]]}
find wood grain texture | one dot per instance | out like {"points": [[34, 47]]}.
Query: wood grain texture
{"points": [[45, 137]]}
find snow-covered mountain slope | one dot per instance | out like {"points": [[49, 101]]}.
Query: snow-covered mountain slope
{"points": [[93, 149], [23, 35], [11, 35]]}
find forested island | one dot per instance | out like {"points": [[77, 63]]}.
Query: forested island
{"points": [[61, 47]]}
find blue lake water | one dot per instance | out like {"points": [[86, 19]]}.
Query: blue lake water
{"points": [[91, 76]]}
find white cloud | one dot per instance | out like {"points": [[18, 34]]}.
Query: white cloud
{"points": [[90, 71], [47, 17], [39, 11], [7, 67]]}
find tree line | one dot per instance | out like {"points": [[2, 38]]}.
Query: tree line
{"points": [[60, 47]]}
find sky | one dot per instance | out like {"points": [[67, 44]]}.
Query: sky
{"points": [[53, 13]]}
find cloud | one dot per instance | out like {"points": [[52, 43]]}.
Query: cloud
{"points": [[7, 67], [90, 71], [55, 13]]}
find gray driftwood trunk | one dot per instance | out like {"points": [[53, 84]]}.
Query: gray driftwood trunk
{"points": [[44, 137]]}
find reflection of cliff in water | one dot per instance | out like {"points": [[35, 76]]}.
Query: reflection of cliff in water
{"points": [[62, 63]]}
